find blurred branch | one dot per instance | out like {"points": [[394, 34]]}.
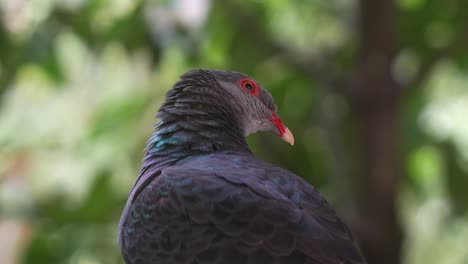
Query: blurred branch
{"points": [[426, 68], [375, 101]]}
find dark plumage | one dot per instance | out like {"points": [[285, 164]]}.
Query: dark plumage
{"points": [[203, 197]]}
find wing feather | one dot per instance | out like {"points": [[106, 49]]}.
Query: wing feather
{"points": [[209, 210]]}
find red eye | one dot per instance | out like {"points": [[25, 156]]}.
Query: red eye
{"points": [[250, 86]]}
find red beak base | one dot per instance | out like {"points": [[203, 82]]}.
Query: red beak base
{"points": [[283, 132]]}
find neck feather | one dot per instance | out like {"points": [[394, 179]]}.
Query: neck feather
{"points": [[193, 122]]}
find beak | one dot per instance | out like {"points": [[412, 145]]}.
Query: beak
{"points": [[288, 136], [283, 132]]}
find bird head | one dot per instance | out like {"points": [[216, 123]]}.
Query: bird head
{"points": [[253, 106]]}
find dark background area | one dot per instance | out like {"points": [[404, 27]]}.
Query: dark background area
{"points": [[375, 92]]}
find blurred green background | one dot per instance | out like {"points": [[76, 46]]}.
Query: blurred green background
{"points": [[375, 91]]}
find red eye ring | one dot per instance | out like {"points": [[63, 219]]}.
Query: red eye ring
{"points": [[249, 86]]}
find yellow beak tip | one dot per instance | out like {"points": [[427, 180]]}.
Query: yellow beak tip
{"points": [[288, 137]]}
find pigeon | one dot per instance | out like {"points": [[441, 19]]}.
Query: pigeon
{"points": [[202, 197]]}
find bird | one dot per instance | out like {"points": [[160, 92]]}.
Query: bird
{"points": [[203, 197]]}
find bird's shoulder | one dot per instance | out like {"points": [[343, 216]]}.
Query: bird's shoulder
{"points": [[229, 170], [247, 170], [229, 183]]}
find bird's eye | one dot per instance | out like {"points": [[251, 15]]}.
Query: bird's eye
{"points": [[249, 86]]}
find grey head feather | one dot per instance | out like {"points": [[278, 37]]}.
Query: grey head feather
{"points": [[215, 91]]}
